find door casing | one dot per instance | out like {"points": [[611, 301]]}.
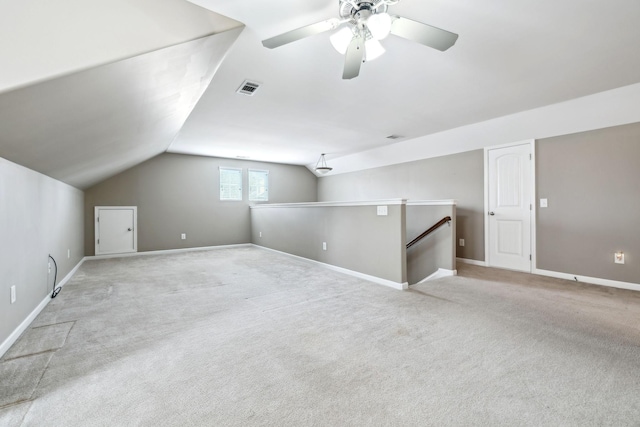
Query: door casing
{"points": [[128, 249], [487, 241]]}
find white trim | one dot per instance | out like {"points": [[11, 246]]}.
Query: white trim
{"points": [[449, 202], [331, 204], [378, 280], [532, 201], [96, 226], [486, 207], [471, 261], [587, 279], [440, 273], [167, 251], [13, 337], [534, 206]]}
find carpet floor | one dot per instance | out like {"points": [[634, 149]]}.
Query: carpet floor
{"points": [[249, 337]]}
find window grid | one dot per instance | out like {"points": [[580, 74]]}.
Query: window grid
{"points": [[258, 185], [230, 184]]}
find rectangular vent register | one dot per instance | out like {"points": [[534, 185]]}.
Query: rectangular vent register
{"points": [[248, 88]]}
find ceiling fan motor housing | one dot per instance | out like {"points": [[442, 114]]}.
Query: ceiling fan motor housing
{"points": [[368, 23], [358, 12]]}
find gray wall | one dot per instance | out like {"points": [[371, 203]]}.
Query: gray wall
{"points": [[357, 238], [438, 249], [178, 193], [38, 216], [457, 176], [592, 183]]}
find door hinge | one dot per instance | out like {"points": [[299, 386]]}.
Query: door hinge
{"points": [[530, 158], [530, 206], [529, 257], [98, 241], [98, 219]]}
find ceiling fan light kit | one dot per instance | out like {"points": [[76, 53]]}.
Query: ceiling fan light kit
{"points": [[362, 24], [373, 49], [379, 25], [340, 39]]}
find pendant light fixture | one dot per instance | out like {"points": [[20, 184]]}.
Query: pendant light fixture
{"points": [[321, 165]]}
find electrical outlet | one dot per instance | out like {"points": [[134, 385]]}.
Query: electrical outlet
{"points": [[183, 236], [68, 253], [382, 211], [618, 257], [49, 268], [260, 234], [13, 294], [544, 203], [324, 246], [461, 242]]}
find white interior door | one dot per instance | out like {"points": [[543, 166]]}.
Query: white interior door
{"points": [[116, 229], [509, 207]]}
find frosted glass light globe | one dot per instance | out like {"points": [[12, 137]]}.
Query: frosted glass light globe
{"points": [[379, 25]]}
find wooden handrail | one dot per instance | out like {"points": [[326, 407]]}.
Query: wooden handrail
{"points": [[429, 231]]}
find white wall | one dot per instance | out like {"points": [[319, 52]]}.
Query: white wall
{"points": [[38, 216]]}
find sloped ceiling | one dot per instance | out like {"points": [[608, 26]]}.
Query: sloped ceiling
{"points": [[510, 57], [40, 40], [88, 89], [87, 126]]}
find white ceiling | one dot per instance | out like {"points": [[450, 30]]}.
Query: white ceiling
{"points": [[510, 57], [85, 127], [40, 40], [90, 88]]}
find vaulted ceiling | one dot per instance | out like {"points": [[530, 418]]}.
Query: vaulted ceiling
{"points": [[88, 89]]}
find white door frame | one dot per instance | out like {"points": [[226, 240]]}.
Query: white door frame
{"points": [[532, 143], [96, 212]]}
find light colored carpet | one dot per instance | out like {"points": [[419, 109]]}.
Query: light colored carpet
{"points": [[248, 337]]}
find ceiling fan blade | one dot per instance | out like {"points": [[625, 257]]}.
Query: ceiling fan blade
{"points": [[423, 33], [353, 58], [300, 33]]}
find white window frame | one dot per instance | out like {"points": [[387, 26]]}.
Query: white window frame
{"points": [[230, 199], [266, 192]]}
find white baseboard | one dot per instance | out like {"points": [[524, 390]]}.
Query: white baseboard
{"points": [[587, 279], [374, 279], [471, 261], [441, 272], [166, 251], [11, 339]]}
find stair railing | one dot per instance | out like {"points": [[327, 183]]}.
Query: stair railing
{"points": [[434, 227]]}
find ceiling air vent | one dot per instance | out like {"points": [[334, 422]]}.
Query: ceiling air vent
{"points": [[395, 137], [248, 88]]}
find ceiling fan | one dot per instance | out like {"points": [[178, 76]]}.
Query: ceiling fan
{"points": [[367, 22]]}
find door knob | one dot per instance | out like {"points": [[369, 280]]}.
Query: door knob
{"points": [[491, 213], [128, 229]]}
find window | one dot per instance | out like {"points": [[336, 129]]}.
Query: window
{"points": [[258, 185], [230, 184]]}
